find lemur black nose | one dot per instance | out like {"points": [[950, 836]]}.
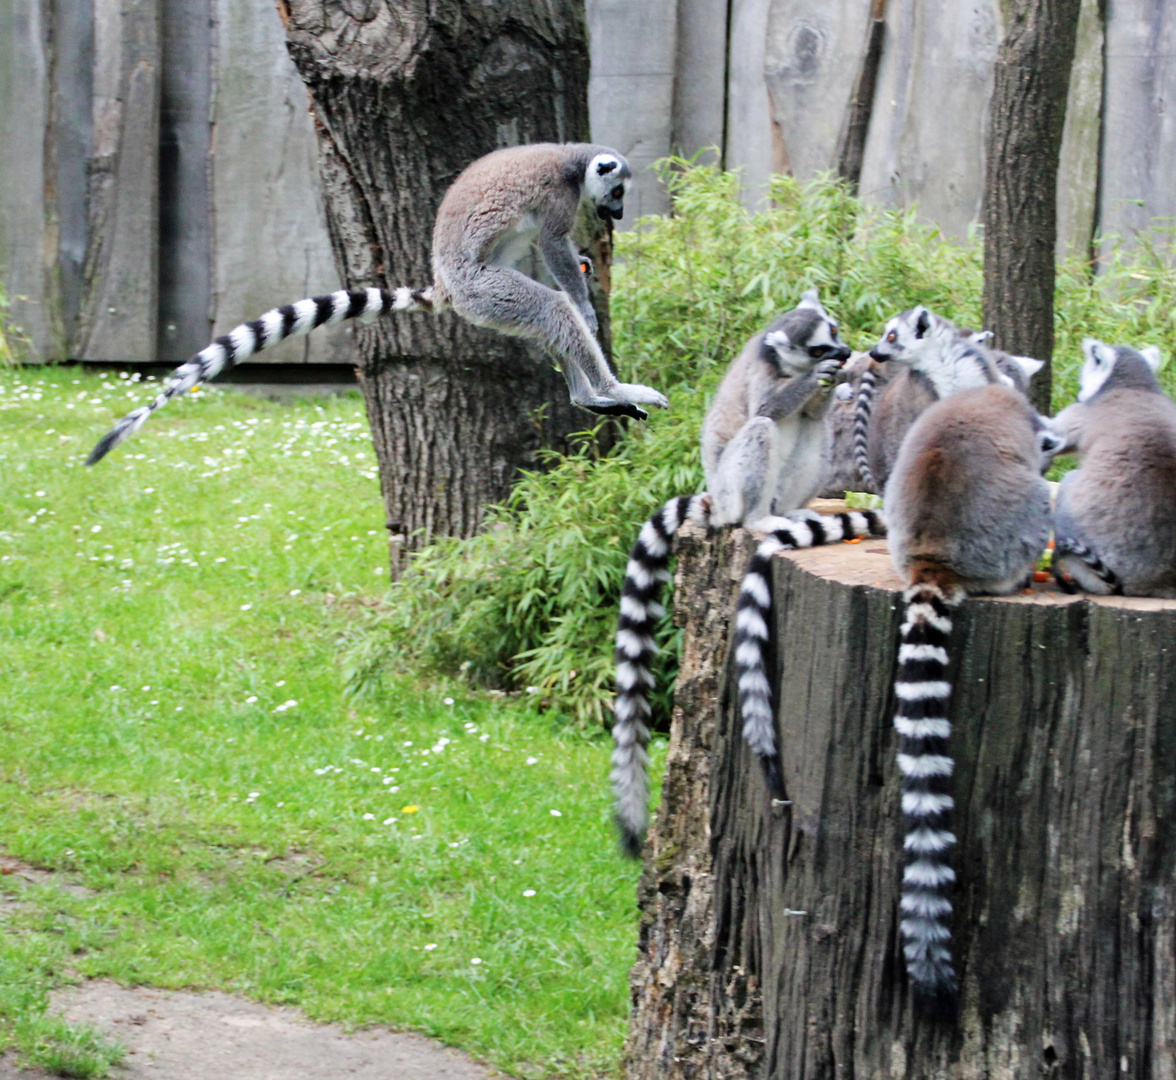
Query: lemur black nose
{"points": [[841, 353], [876, 355]]}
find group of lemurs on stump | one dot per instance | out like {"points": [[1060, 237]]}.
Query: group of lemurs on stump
{"points": [[930, 418]]}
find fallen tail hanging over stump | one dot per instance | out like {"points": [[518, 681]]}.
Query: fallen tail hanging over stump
{"points": [[769, 940]]}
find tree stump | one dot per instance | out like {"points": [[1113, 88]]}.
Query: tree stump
{"points": [[405, 95], [769, 941]]}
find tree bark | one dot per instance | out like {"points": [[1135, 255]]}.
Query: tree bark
{"points": [[769, 941], [1032, 77], [406, 94]]}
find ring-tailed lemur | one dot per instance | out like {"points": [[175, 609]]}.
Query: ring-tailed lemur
{"points": [[1114, 522], [764, 445], [938, 359], [968, 512], [486, 224]]}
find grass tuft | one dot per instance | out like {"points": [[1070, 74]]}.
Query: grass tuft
{"points": [[211, 811]]}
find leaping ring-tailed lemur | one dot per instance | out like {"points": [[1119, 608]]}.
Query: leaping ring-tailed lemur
{"points": [[486, 223], [764, 448]]}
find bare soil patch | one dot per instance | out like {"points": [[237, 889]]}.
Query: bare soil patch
{"points": [[182, 1035]]}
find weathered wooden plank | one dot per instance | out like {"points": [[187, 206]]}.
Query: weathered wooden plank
{"points": [[1078, 168], [700, 73], [1139, 124], [753, 145], [930, 120], [119, 308], [68, 138], [631, 88], [814, 52], [27, 238], [270, 236], [185, 206]]}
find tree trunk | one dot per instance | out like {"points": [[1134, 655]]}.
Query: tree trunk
{"points": [[406, 94], [769, 941], [1032, 77]]}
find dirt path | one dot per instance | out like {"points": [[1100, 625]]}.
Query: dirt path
{"points": [[178, 1035]]}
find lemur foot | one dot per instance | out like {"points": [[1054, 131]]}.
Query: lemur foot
{"points": [[641, 395]]}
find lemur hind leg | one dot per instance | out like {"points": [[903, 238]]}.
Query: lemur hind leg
{"points": [[746, 475], [512, 303]]}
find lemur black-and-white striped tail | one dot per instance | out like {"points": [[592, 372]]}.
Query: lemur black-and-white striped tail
{"points": [[290, 320], [640, 609], [861, 428], [922, 691], [1067, 546], [753, 616]]}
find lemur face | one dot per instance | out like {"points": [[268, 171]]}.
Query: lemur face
{"points": [[799, 340], [606, 182], [907, 334], [1117, 367]]}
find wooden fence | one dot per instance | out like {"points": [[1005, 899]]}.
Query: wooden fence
{"points": [[158, 180], [158, 177]]}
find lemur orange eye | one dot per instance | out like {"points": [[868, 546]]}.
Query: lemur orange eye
{"points": [[892, 337], [833, 332], [618, 192]]}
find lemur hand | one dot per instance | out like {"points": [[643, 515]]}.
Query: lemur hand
{"points": [[826, 371]]}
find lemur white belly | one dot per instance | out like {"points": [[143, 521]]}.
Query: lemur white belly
{"points": [[515, 245], [802, 469]]}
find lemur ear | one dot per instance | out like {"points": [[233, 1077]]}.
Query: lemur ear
{"points": [[778, 339], [1092, 349], [1153, 356], [922, 321], [1050, 442], [980, 336], [1028, 365], [810, 299]]}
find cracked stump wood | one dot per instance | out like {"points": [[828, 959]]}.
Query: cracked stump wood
{"points": [[769, 940]]}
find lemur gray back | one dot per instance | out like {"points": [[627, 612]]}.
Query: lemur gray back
{"points": [[966, 492], [1118, 508]]}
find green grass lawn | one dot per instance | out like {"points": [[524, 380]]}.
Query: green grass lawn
{"points": [[176, 740]]}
